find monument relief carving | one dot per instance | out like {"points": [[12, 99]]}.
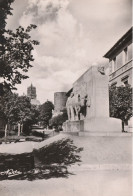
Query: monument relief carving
{"points": [[69, 106], [76, 105], [101, 70]]}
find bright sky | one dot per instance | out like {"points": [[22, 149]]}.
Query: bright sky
{"points": [[73, 35]]}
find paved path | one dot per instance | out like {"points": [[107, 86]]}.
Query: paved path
{"points": [[105, 150], [106, 182], [87, 183]]}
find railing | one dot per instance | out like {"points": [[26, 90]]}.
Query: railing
{"points": [[121, 70]]}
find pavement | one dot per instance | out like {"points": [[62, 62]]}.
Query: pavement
{"points": [[101, 150], [87, 183], [105, 170]]}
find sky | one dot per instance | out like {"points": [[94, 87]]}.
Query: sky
{"points": [[73, 35]]}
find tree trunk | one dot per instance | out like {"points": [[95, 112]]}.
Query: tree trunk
{"points": [[18, 129], [123, 126], [6, 130], [22, 128]]}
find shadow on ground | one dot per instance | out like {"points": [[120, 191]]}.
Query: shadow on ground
{"points": [[50, 161]]}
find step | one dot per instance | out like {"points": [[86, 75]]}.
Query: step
{"points": [[112, 134]]}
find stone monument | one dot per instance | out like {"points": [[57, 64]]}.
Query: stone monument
{"points": [[88, 105]]}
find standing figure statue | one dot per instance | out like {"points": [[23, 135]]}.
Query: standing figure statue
{"points": [[77, 106], [73, 106], [69, 106]]}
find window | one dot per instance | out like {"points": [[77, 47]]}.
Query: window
{"points": [[125, 56], [124, 80], [113, 84]]}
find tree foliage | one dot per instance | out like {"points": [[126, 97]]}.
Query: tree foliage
{"points": [[17, 55], [59, 119], [45, 111], [18, 109], [5, 9], [15, 49], [120, 101]]}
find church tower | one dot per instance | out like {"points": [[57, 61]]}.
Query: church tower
{"points": [[31, 92]]}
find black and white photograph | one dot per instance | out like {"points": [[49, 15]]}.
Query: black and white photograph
{"points": [[66, 121]]}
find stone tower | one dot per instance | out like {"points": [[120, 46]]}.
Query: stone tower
{"points": [[60, 99], [31, 92]]}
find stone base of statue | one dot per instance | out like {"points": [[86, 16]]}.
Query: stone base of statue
{"points": [[103, 124], [73, 126], [97, 126]]}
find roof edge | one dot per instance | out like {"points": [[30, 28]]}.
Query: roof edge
{"points": [[117, 44]]}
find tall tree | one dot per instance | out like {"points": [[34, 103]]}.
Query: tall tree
{"points": [[18, 109], [120, 101], [46, 113], [15, 49]]}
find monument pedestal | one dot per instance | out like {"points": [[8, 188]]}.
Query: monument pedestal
{"points": [[102, 124], [73, 126], [94, 127]]}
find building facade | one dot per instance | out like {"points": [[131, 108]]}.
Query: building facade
{"points": [[120, 61]]}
